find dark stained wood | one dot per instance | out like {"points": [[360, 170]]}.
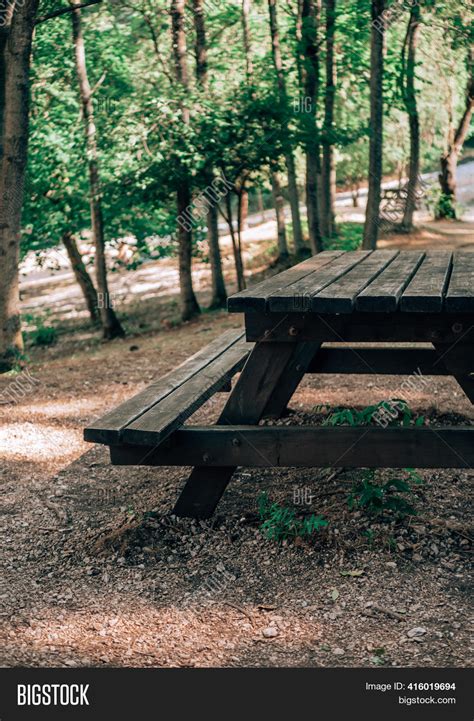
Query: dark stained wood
{"points": [[305, 446], [158, 422], [425, 293], [383, 294], [294, 372], [339, 297], [297, 296], [379, 361], [460, 295], [108, 428], [256, 297], [261, 374], [459, 360], [360, 327]]}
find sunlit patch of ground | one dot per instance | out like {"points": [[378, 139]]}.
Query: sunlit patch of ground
{"points": [[34, 442]]}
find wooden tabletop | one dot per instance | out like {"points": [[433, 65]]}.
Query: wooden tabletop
{"points": [[382, 281]]}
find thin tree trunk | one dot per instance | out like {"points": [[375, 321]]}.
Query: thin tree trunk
{"points": [[290, 161], [189, 304], [409, 97], [328, 193], [310, 16], [15, 51], [261, 206], [279, 204], [449, 160], [111, 326], [82, 276], [300, 59], [250, 79], [219, 293], [239, 266], [371, 226], [247, 40], [244, 209]]}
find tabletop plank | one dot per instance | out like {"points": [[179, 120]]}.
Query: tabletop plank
{"points": [[383, 294], [425, 293], [339, 296], [297, 297], [460, 295], [256, 297]]}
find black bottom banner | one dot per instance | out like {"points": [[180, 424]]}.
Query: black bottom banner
{"points": [[372, 695]]}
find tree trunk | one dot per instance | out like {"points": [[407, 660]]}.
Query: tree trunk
{"points": [[239, 266], [82, 276], [219, 293], [111, 326], [15, 50], [409, 97], [310, 16], [290, 161], [244, 209], [371, 226], [280, 216], [328, 194], [261, 205], [189, 304], [247, 40], [449, 159], [300, 60]]}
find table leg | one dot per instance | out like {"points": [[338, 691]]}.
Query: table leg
{"points": [[266, 384], [459, 361]]}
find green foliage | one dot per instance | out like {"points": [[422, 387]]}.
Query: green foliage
{"points": [[280, 523], [369, 415], [40, 334], [379, 498], [349, 237]]}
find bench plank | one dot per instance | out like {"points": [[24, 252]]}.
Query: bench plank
{"points": [[308, 446], [152, 427], [425, 292], [339, 297], [256, 297], [108, 429], [297, 297], [383, 294], [460, 296]]}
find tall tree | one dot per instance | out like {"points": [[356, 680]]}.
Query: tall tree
{"points": [[310, 17], [449, 159], [111, 326], [278, 199], [16, 33], [219, 294], [409, 98], [289, 157], [328, 174], [189, 304], [376, 125]]}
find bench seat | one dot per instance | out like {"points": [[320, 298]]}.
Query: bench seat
{"points": [[149, 417]]}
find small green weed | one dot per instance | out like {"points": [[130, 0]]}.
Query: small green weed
{"points": [[280, 523], [392, 412], [378, 498]]}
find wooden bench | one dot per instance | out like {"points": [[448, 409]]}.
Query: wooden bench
{"points": [[153, 414]]}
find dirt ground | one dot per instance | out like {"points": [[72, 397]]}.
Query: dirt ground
{"points": [[97, 573]]}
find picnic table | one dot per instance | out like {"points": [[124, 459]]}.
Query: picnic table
{"points": [[337, 312]]}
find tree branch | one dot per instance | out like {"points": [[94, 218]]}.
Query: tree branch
{"points": [[63, 11]]}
